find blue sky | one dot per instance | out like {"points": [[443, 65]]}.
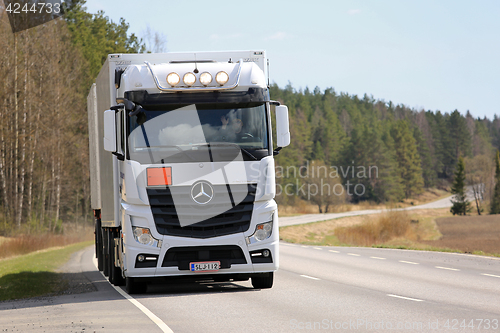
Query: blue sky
{"points": [[435, 55]]}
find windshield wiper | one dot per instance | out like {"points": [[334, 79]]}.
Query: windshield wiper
{"points": [[230, 144], [171, 146]]}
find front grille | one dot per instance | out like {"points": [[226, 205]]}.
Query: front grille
{"points": [[181, 256], [235, 218]]}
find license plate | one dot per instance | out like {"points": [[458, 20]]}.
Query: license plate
{"points": [[205, 266]]}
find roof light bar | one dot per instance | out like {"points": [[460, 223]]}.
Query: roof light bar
{"points": [[173, 79], [189, 79], [205, 78], [222, 78]]}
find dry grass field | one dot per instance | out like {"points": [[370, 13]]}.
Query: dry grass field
{"points": [[23, 244], [392, 228], [430, 229], [469, 233], [3, 239]]}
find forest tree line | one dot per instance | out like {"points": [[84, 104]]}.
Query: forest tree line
{"points": [[410, 149], [46, 73], [44, 165]]}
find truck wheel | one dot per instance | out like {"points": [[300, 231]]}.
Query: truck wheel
{"points": [[105, 250], [98, 245], [115, 273], [132, 286], [263, 282], [100, 259]]}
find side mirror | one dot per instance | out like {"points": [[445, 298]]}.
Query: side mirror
{"points": [[109, 131], [282, 127]]}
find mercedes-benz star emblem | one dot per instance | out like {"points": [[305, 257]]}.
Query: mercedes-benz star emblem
{"points": [[202, 193]]}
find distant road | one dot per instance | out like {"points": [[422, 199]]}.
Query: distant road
{"points": [[309, 218]]}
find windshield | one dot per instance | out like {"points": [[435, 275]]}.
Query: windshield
{"points": [[198, 133]]}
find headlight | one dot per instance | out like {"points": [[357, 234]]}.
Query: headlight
{"points": [[262, 232], [222, 78], [189, 79], [205, 78], [173, 79], [143, 236]]}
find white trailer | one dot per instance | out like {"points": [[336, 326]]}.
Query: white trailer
{"points": [[182, 167]]}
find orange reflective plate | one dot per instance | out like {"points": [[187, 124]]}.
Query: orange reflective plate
{"points": [[159, 176]]}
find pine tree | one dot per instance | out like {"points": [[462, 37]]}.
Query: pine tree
{"points": [[495, 201], [390, 185], [445, 153], [459, 134], [408, 159], [318, 152], [368, 148], [428, 172], [96, 36], [460, 204]]}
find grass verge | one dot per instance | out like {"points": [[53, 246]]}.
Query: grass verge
{"points": [[34, 274], [415, 230], [25, 244]]}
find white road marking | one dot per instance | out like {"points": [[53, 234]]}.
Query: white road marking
{"points": [[305, 246], [145, 310], [379, 258], [407, 298], [317, 248], [354, 254], [409, 262], [490, 275], [448, 268], [310, 277], [164, 327], [334, 251]]}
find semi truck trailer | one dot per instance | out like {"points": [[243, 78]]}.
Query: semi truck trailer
{"points": [[182, 168]]}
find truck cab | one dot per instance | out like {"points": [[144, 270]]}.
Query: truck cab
{"points": [[182, 167]]}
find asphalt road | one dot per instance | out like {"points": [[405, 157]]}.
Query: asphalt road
{"points": [[333, 289]]}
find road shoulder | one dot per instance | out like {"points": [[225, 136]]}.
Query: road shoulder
{"points": [[91, 304]]}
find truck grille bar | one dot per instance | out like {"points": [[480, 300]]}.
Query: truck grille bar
{"points": [[234, 220], [180, 257]]}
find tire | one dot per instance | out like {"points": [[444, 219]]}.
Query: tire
{"points": [[264, 281], [115, 273], [98, 245], [105, 241], [132, 286]]}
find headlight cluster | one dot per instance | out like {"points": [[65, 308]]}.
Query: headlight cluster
{"points": [[205, 78], [222, 78], [173, 79], [189, 79], [143, 236], [262, 232]]}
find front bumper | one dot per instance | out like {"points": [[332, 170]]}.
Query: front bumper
{"points": [[175, 253]]}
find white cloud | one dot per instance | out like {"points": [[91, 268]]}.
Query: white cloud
{"points": [[277, 36], [353, 11], [225, 37]]}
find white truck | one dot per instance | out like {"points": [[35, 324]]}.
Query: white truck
{"points": [[182, 168]]}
